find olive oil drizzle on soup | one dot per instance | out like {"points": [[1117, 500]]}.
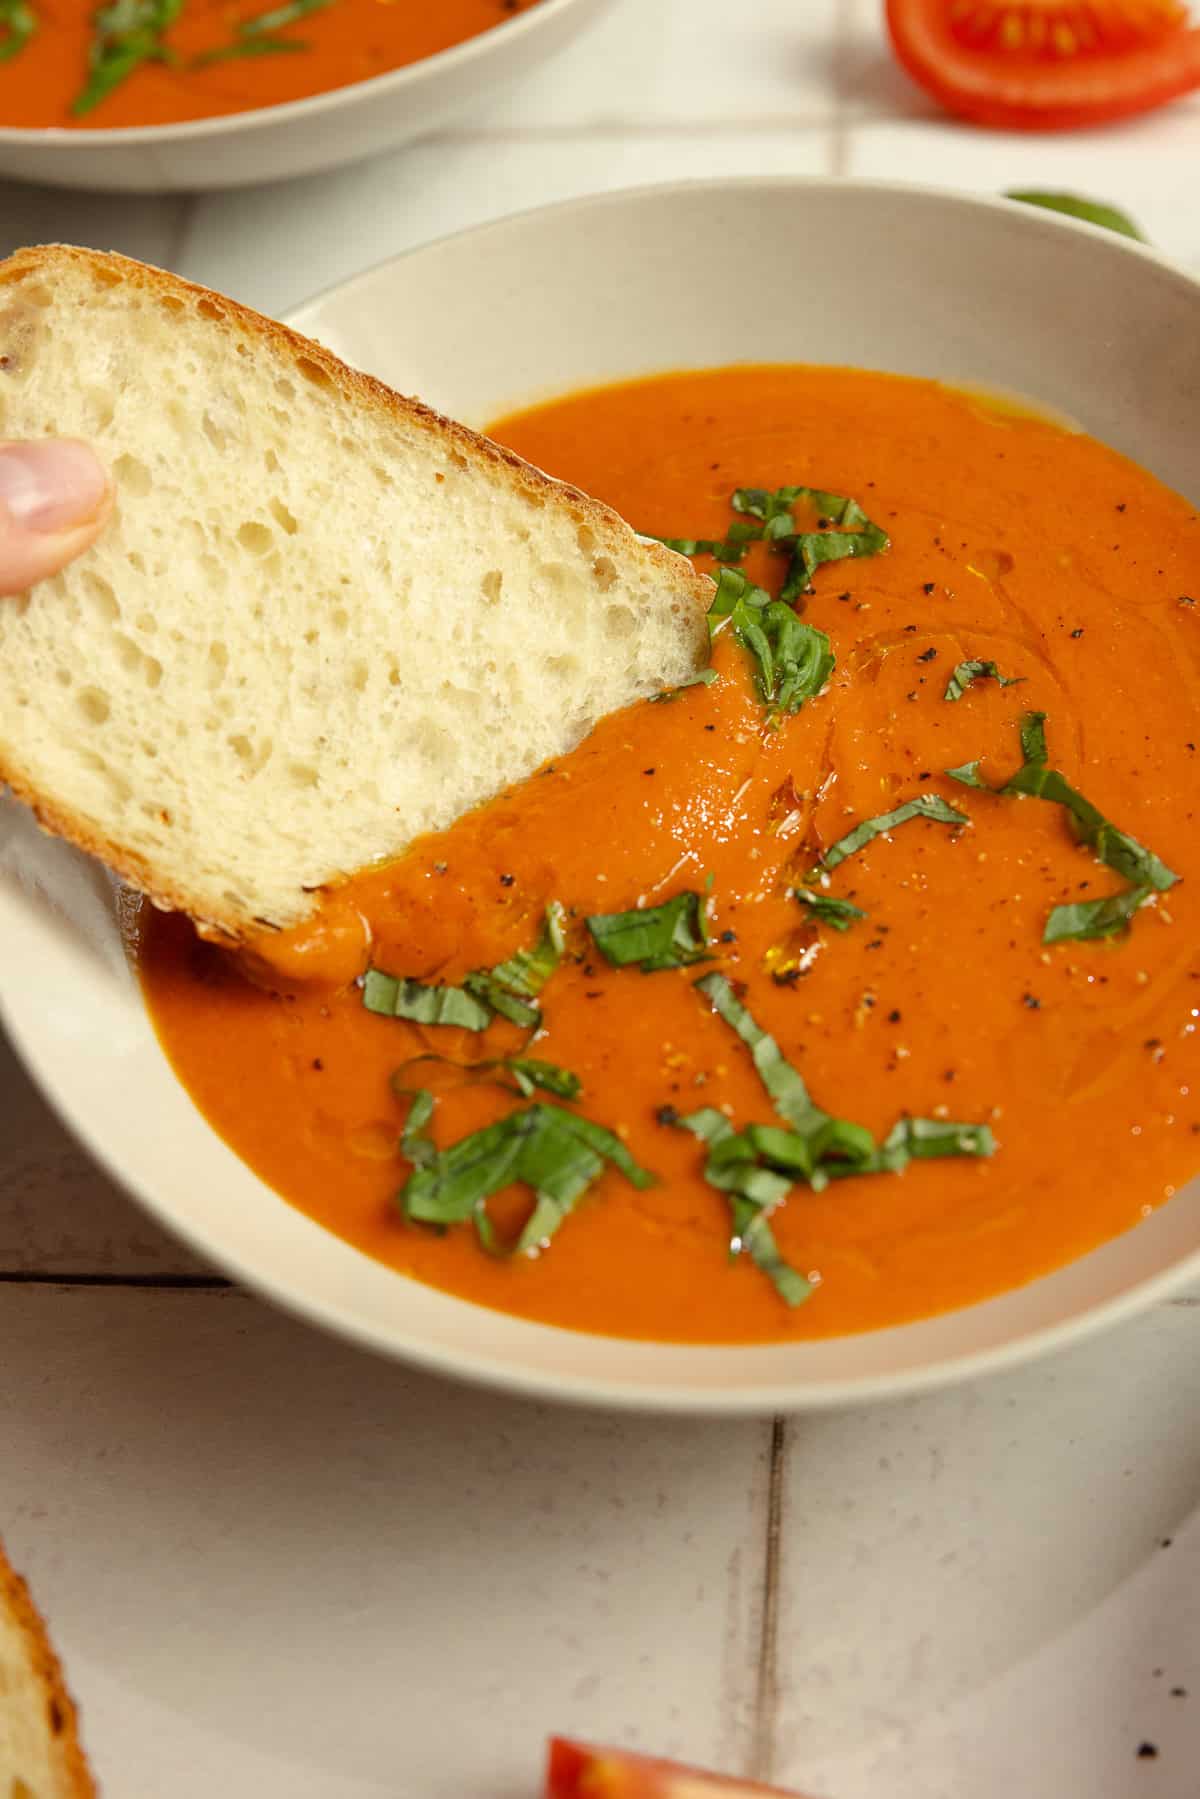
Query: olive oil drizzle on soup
{"points": [[997, 986]]}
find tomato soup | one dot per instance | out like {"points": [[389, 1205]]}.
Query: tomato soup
{"points": [[854, 1040], [62, 62]]}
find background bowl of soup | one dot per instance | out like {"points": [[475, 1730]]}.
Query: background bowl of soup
{"points": [[982, 295], [259, 92]]}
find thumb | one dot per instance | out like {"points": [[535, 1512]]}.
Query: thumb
{"points": [[54, 497]]}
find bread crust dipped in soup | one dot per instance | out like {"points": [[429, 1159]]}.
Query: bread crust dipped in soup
{"points": [[839, 978]]}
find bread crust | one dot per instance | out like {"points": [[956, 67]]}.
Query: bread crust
{"points": [[62, 1720], [320, 366]]}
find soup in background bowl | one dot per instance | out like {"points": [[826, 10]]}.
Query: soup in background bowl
{"points": [[998, 525]]}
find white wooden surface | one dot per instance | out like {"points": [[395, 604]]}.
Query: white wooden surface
{"points": [[277, 1568]]}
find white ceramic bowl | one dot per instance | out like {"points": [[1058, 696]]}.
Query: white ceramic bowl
{"points": [[914, 281], [302, 136]]}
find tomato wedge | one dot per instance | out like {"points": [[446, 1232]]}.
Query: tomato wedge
{"points": [[576, 1771], [1047, 65]]}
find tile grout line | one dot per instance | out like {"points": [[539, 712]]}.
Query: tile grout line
{"points": [[766, 1686]]}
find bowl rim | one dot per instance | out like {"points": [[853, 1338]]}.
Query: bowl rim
{"points": [[391, 82], [691, 1394]]}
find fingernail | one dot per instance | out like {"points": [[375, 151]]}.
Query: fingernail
{"points": [[50, 485]]}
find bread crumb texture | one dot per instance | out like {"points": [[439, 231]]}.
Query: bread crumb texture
{"points": [[321, 619]]}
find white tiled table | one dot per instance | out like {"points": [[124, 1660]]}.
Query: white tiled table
{"points": [[277, 1568]]}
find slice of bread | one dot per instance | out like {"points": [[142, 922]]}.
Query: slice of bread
{"points": [[40, 1754], [321, 619]]}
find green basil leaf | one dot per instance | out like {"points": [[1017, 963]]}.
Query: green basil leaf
{"points": [[1089, 919], [416, 1145], [967, 673], [248, 47], [125, 35], [19, 23], [836, 912], [925, 805], [673, 935], [843, 530], [924, 1139], [393, 996], [793, 659], [280, 16], [752, 1193], [528, 1074], [1095, 212], [783, 1083], [505, 991], [1036, 779], [556, 1153]]}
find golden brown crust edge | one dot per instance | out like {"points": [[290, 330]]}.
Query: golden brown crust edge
{"points": [[62, 1719], [107, 268]]}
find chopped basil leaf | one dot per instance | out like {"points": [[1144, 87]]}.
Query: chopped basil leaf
{"points": [[510, 987], [836, 912], [758, 1166], [968, 773], [556, 1153], [256, 36], [19, 22], [925, 805], [528, 1074], [1095, 918], [506, 991], [753, 1193], [702, 678], [793, 659], [730, 548], [673, 935], [923, 1139], [968, 672], [416, 1145], [394, 996], [855, 535], [1115, 848], [1095, 212], [785, 1086], [125, 34]]}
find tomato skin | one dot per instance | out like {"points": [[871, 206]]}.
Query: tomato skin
{"points": [[578, 1771], [990, 85]]}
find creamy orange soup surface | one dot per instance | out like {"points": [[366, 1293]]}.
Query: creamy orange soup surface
{"points": [[159, 62], [1017, 1101]]}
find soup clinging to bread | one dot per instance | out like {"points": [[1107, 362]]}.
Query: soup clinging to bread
{"points": [[160, 62], [851, 983]]}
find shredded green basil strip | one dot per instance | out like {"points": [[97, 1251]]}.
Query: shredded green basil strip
{"points": [[556, 1153], [783, 1083], [924, 1139], [752, 1193], [855, 535], [506, 991], [416, 1145], [967, 673], [511, 986], [394, 996], [1095, 212], [1088, 919], [702, 678], [836, 912], [730, 548], [793, 659], [249, 46], [19, 23], [125, 35], [925, 805], [280, 16], [1035, 778], [673, 935], [528, 1074]]}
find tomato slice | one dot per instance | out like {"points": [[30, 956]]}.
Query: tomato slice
{"points": [[576, 1771], [1047, 65]]}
